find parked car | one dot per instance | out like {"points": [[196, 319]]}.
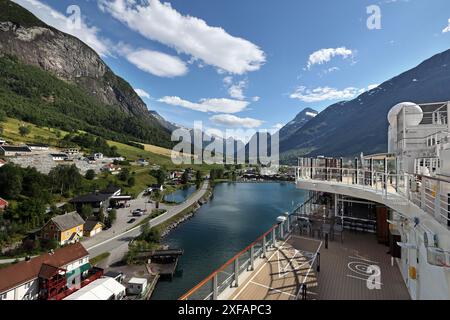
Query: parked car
{"points": [[131, 220], [137, 213]]}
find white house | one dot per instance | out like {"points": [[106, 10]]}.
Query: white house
{"points": [[137, 285], [59, 156], [21, 281], [101, 289]]}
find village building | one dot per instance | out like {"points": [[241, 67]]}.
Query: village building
{"points": [[71, 151], [59, 156], [66, 228], [45, 276], [38, 147], [92, 227], [14, 151], [101, 289], [2, 163]]}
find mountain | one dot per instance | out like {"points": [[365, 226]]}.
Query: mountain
{"points": [[28, 44], [299, 121], [360, 125], [170, 126]]}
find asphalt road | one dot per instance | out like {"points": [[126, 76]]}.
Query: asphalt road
{"points": [[117, 245]]}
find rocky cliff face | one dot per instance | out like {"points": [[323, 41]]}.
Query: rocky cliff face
{"points": [[35, 43]]}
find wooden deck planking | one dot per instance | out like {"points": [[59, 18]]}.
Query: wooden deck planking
{"points": [[342, 271]]}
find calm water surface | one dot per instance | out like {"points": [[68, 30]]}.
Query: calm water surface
{"points": [[237, 215], [180, 195]]}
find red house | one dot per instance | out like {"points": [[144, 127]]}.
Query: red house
{"points": [[3, 204]]}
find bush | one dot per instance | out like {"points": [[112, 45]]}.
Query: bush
{"points": [[90, 174]]}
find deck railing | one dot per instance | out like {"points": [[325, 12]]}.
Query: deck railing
{"points": [[431, 194], [229, 275]]}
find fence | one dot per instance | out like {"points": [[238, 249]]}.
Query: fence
{"points": [[229, 274], [431, 194]]}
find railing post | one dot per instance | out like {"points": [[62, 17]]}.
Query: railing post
{"points": [[422, 195], [437, 202], [236, 272], [274, 238], [215, 290], [264, 246], [281, 226], [252, 258]]}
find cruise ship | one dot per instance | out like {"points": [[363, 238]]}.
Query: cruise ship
{"points": [[372, 227]]}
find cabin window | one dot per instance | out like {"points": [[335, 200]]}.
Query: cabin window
{"points": [[3, 296]]}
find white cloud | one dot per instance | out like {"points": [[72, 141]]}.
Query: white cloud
{"points": [[142, 93], [233, 121], [325, 55], [324, 93], [256, 99], [228, 80], [186, 34], [217, 105], [87, 34], [154, 62], [236, 91], [447, 28]]}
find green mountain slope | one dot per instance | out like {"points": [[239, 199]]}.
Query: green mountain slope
{"points": [[49, 77]]}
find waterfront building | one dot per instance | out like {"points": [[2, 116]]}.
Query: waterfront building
{"points": [[45, 276]]}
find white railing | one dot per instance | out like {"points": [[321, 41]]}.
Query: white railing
{"points": [[429, 193]]}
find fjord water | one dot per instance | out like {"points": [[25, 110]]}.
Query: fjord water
{"points": [[237, 215], [180, 195]]}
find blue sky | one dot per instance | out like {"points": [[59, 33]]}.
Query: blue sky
{"points": [[252, 63]]}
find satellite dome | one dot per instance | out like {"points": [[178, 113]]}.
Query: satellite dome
{"points": [[413, 114]]}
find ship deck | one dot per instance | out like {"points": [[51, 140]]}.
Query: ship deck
{"points": [[343, 271]]}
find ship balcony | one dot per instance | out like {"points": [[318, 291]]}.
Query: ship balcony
{"points": [[414, 195]]}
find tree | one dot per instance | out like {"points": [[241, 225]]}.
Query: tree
{"points": [[112, 217], [101, 216], [24, 130], [160, 175], [86, 211], [131, 181], [124, 174], [198, 176], [2, 115], [90, 174], [185, 177]]}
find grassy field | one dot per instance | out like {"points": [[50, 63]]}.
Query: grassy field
{"points": [[37, 134]]}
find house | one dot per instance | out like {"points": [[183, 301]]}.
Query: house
{"points": [[2, 142], [98, 156], [38, 147], [96, 200], [66, 228], [142, 162], [2, 163], [71, 151], [34, 278], [3, 204], [111, 168], [14, 151], [101, 289], [59, 156], [136, 286], [92, 227]]}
